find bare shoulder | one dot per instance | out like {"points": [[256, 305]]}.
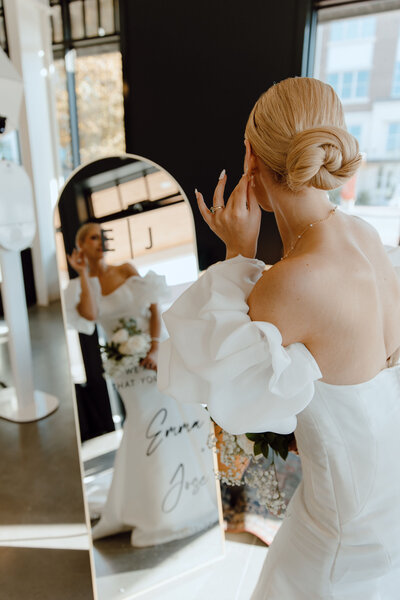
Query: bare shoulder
{"points": [[364, 227], [282, 294], [370, 241], [128, 270]]}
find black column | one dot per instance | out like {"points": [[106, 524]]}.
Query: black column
{"points": [[192, 71]]}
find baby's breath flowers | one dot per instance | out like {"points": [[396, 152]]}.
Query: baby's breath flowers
{"points": [[235, 453]]}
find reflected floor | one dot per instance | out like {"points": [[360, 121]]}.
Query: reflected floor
{"points": [[122, 571]]}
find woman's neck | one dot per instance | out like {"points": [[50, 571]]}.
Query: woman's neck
{"points": [[97, 267], [295, 212]]}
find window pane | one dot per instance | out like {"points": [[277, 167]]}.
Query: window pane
{"points": [[368, 26], [100, 105], [352, 29], [107, 16], [161, 185], [337, 31], [393, 139], [133, 191], [160, 229], [333, 80], [356, 131], [347, 83], [91, 17], [396, 80], [106, 202], [362, 84], [57, 23], [75, 10]]}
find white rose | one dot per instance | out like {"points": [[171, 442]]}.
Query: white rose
{"points": [[246, 445], [120, 336], [138, 344]]}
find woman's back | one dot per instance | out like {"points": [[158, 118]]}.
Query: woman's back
{"points": [[339, 295]]}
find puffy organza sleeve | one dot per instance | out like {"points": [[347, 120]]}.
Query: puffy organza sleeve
{"points": [[217, 356], [72, 296], [150, 289]]}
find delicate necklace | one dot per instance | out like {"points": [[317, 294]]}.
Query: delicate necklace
{"points": [[331, 212]]}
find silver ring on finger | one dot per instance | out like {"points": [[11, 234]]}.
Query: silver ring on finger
{"points": [[214, 209]]}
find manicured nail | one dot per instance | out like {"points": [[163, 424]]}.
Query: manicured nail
{"points": [[196, 192], [222, 175]]}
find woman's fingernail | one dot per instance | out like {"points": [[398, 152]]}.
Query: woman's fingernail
{"points": [[222, 175], [195, 192]]}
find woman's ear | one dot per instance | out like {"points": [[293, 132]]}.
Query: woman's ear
{"points": [[249, 158]]}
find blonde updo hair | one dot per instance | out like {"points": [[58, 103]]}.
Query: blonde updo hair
{"points": [[82, 233], [297, 129]]}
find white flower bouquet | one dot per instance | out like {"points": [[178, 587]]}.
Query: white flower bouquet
{"points": [[235, 453], [127, 347]]}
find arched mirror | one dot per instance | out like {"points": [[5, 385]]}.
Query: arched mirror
{"points": [[126, 249]]}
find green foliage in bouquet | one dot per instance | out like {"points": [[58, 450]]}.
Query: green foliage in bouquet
{"points": [[130, 326], [279, 443]]}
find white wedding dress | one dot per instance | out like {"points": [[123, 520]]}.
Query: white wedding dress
{"points": [[163, 485], [340, 539]]}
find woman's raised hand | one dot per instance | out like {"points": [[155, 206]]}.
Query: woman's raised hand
{"points": [[237, 223], [78, 262]]}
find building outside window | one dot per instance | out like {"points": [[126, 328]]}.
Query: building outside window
{"points": [[350, 85], [396, 80], [360, 58], [356, 131], [393, 138], [352, 29]]}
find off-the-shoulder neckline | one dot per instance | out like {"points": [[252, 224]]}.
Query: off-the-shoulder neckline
{"points": [[340, 386], [117, 288]]}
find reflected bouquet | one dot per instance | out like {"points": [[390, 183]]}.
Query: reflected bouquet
{"points": [[127, 347], [235, 453]]}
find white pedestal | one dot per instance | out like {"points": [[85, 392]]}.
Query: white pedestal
{"points": [[10, 409], [20, 403]]}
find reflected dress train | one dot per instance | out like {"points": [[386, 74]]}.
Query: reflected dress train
{"points": [[340, 539], [163, 485]]}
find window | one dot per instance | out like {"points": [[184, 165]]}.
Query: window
{"points": [[393, 138], [362, 84], [356, 131], [347, 85], [100, 105], [396, 80], [353, 29], [90, 110], [360, 58], [350, 85]]}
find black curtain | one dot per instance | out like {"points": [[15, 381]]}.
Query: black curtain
{"points": [[192, 72]]}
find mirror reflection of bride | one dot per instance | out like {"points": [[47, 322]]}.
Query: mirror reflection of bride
{"points": [[163, 487]]}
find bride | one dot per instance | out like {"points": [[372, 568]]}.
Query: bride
{"points": [[307, 346], [163, 484]]}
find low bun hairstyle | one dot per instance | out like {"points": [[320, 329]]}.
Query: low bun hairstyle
{"points": [[297, 129]]}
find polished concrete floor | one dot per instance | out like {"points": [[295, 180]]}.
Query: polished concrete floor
{"points": [[44, 550]]}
